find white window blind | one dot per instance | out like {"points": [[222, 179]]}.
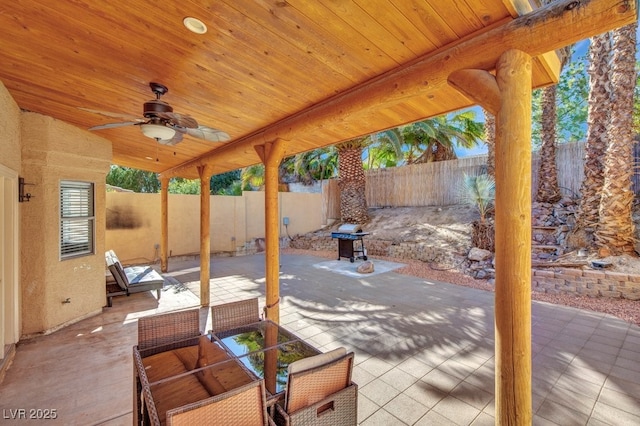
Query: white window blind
{"points": [[76, 219]]}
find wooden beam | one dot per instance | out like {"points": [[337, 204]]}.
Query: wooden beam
{"points": [[549, 28], [205, 238], [271, 155], [478, 85], [164, 224], [513, 241]]}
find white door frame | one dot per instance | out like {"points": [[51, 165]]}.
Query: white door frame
{"points": [[9, 265]]}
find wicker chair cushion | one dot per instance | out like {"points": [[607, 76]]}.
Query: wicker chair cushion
{"points": [[315, 361]]}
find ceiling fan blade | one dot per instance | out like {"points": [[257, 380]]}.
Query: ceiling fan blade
{"points": [[173, 141], [180, 120], [208, 134], [112, 114], [115, 125]]}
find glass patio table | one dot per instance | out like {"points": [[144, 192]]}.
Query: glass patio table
{"points": [[266, 349]]}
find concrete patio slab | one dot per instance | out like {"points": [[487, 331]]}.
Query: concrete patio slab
{"points": [[350, 269], [424, 349]]}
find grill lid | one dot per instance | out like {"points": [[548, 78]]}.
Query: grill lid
{"points": [[349, 228]]}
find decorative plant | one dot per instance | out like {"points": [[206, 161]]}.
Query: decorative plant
{"points": [[479, 191]]}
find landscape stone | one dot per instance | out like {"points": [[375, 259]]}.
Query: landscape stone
{"points": [[477, 254], [365, 267]]}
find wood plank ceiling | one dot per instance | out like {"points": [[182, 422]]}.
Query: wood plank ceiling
{"points": [[90, 62]]}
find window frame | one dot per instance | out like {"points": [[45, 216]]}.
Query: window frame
{"points": [[77, 221]]}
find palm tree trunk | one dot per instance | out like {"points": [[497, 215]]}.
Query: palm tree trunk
{"points": [[597, 140], [615, 230], [352, 182], [548, 188], [490, 140]]}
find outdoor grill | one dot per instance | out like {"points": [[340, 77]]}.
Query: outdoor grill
{"points": [[350, 242]]}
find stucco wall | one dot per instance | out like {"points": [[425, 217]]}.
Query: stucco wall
{"points": [[53, 151], [133, 222], [9, 131], [10, 169]]}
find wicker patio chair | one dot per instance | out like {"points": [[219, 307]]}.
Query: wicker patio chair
{"points": [[243, 406], [320, 392], [164, 329], [234, 314]]}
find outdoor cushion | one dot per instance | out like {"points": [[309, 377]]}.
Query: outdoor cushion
{"points": [[316, 360]]}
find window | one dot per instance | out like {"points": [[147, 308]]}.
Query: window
{"points": [[76, 219]]}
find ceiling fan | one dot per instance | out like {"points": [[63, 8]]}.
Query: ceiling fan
{"points": [[164, 125]]}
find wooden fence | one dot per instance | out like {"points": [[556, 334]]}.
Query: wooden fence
{"points": [[439, 184]]}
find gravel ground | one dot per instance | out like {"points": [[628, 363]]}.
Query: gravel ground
{"points": [[627, 310]]}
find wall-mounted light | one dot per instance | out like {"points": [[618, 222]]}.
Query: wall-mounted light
{"points": [[22, 196]]}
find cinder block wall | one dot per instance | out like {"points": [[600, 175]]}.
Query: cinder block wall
{"points": [[587, 282]]}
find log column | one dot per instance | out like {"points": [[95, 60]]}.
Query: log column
{"points": [[271, 154], [513, 240], [205, 238], [508, 97], [164, 224]]}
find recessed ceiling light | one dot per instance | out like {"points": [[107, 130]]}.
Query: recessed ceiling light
{"points": [[194, 25]]}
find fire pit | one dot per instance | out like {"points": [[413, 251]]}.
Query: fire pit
{"points": [[350, 242]]}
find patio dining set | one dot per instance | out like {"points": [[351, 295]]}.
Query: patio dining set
{"points": [[245, 371]]}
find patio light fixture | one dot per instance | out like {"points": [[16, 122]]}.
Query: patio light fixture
{"points": [[194, 25], [158, 132]]}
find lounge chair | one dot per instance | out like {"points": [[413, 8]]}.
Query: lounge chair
{"points": [[320, 392], [133, 279]]}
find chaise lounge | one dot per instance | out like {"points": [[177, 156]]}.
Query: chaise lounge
{"points": [[132, 279]]}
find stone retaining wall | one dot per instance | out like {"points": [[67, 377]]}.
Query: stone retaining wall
{"points": [[587, 282], [559, 280]]}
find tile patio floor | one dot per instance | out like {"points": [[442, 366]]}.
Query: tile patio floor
{"points": [[424, 350]]}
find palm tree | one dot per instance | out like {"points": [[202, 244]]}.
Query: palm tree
{"points": [[615, 231], [438, 136], [431, 140], [548, 188], [424, 141], [385, 149], [352, 181], [479, 191], [596, 143], [253, 177], [490, 140], [315, 165]]}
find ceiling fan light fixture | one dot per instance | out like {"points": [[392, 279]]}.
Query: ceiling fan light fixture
{"points": [[194, 25], [157, 131]]}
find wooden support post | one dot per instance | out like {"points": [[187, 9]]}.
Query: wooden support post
{"points": [[479, 86], [271, 154], [205, 238], [164, 224], [271, 360], [513, 241]]}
